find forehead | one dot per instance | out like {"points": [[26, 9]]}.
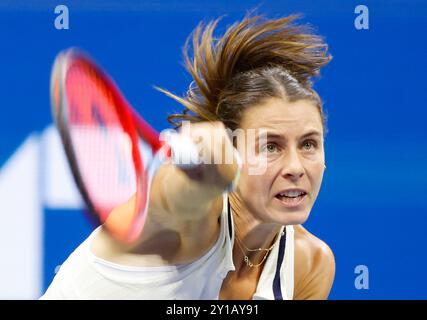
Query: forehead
{"points": [[282, 116]]}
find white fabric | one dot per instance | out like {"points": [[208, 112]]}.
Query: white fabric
{"points": [[85, 276]]}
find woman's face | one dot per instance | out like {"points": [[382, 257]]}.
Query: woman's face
{"points": [[291, 155]]}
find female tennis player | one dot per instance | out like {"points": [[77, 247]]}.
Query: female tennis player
{"points": [[201, 240]]}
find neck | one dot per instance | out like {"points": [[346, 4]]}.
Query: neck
{"points": [[252, 233]]}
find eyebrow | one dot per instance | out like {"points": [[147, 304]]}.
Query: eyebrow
{"points": [[311, 133], [272, 135]]}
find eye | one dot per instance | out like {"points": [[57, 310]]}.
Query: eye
{"points": [[309, 145], [270, 148]]}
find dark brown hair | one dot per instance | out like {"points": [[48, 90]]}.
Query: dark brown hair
{"points": [[255, 59]]}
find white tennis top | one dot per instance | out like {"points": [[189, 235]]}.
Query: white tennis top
{"points": [[85, 276]]}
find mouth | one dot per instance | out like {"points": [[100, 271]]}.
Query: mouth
{"points": [[291, 197]]}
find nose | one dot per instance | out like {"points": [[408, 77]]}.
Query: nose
{"points": [[292, 168]]}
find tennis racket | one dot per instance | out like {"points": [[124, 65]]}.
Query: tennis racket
{"points": [[112, 152]]}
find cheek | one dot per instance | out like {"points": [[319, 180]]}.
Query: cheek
{"points": [[315, 174], [253, 191], [315, 167], [256, 181]]}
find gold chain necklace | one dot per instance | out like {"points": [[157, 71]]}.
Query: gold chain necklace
{"points": [[246, 258]]}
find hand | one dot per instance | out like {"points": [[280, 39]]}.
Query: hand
{"points": [[216, 158]]}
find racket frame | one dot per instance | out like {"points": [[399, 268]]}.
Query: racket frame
{"points": [[131, 125]]}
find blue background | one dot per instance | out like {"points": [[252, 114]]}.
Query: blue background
{"points": [[372, 206]]}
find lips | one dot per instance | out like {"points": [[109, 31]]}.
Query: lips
{"points": [[291, 197], [291, 193]]}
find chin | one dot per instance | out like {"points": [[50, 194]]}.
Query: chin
{"points": [[293, 218]]}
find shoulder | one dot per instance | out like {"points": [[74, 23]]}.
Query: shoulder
{"points": [[314, 266], [74, 272]]}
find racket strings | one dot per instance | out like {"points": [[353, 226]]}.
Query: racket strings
{"points": [[102, 147]]}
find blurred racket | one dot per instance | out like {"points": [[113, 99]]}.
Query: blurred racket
{"points": [[113, 153]]}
